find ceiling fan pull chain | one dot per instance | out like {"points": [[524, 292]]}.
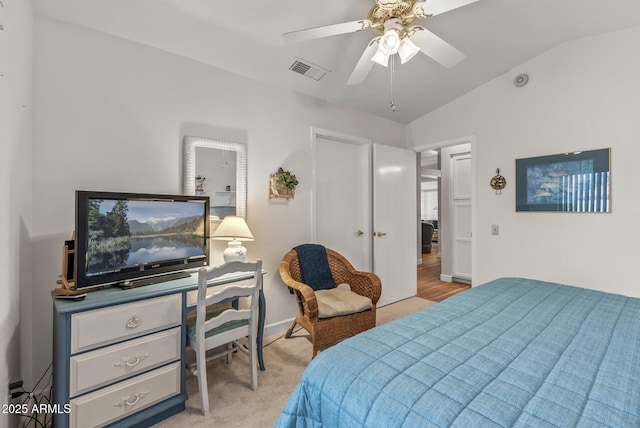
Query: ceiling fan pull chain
{"points": [[392, 103]]}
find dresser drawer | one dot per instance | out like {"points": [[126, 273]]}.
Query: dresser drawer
{"points": [[115, 323], [115, 362], [115, 402]]}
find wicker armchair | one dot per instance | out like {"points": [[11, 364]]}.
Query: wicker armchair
{"points": [[327, 331]]}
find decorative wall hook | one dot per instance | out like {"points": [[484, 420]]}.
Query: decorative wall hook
{"points": [[498, 182]]}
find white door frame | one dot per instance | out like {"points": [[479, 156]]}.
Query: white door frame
{"points": [[316, 133], [470, 139]]}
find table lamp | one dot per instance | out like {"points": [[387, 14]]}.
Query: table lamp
{"points": [[233, 229]]}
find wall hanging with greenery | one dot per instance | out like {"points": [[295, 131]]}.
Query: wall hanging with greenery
{"points": [[282, 184]]}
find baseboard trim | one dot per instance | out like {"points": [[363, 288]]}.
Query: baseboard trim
{"points": [[277, 328], [446, 278], [461, 280]]}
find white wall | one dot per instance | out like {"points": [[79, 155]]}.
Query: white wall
{"points": [[111, 114], [581, 95], [15, 194]]}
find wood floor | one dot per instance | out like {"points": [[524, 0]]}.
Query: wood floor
{"points": [[429, 285]]}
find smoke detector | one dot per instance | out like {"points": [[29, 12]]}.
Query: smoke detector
{"points": [[521, 80]]}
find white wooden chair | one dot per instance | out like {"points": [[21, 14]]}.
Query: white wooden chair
{"points": [[220, 326]]}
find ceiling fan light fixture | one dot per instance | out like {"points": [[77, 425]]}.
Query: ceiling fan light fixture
{"points": [[381, 58], [407, 50], [390, 42], [394, 21]]}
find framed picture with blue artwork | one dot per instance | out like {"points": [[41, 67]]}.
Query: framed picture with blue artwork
{"points": [[569, 182]]}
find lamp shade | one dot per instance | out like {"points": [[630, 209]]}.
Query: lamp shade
{"points": [[380, 58], [407, 50], [389, 42], [233, 228]]}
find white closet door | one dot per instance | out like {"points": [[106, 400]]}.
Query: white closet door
{"points": [[342, 198], [352, 193], [395, 223]]}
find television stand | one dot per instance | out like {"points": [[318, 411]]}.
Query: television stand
{"points": [[156, 279]]}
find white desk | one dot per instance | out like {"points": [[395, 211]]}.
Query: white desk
{"points": [[119, 356]]}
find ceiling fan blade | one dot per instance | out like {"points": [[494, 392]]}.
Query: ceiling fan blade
{"points": [[433, 46], [436, 7], [326, 31], [364, 65]]}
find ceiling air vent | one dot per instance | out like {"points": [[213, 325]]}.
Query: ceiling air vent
{"points": [[307, 69]]}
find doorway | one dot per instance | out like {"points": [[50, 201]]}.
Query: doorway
{"points": [[449, 167]]}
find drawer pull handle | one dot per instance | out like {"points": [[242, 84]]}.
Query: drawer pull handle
{"points": [[130, 401], [134, 321], [131, 361]]}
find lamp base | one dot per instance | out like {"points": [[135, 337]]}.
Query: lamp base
{"points": [[234, 252]]}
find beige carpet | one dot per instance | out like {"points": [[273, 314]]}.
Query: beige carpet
{"points": [[234, 404]]}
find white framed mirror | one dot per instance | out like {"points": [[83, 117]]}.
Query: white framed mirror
{"points": [[217, 169]]}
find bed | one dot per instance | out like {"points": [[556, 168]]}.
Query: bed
{"points": [[512, 352]]}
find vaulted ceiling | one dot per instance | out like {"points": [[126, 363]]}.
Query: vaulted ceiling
{"points": [[245, 37]]}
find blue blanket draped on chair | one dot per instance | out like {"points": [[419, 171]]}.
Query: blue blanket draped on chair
{"points": [[314, 266]]}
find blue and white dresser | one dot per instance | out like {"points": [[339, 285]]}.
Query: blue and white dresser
{"points": [[119, 355]]}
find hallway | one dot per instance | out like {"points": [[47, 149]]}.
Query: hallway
{"points": [[429, 285]]}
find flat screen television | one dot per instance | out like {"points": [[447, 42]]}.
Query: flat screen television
{"points": [[132, 239]]}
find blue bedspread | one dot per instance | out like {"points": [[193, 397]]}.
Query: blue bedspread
{"points": [[513, 352]]}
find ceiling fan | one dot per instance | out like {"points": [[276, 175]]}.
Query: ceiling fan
{"points": [[395, 20]]}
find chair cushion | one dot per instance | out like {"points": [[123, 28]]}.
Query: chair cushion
{"points": [[213, 311], [314, 266], [339, 301]]}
